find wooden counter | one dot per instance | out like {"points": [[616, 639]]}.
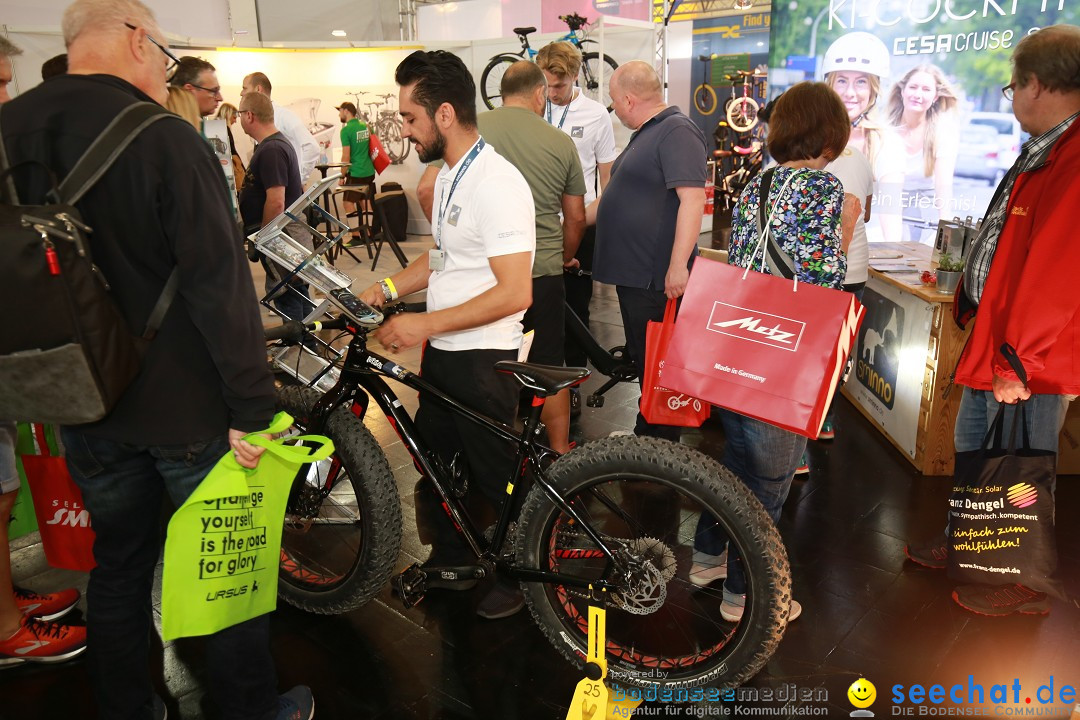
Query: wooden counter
{"points": [[932, 451]]}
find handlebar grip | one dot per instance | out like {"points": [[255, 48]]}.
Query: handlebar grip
{"points": [[292, 331]]}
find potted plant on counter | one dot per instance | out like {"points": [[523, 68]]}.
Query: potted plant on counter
{"points": [[949, 272]]}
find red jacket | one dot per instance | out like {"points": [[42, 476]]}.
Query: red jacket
{"points": [[1031, 297]]}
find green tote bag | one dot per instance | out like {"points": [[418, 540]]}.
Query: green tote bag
{"points": [[224, 544]]}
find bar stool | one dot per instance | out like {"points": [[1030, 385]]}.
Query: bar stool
{"points": [[360, 196]]}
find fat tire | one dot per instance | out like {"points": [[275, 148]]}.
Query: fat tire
{"points": [[491, 95], [600, 94], [377, 498], [766, 562]]}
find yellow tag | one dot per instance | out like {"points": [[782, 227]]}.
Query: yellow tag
{"points": [[591, 701]]}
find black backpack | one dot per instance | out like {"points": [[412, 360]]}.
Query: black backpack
{"points": [[67, 354]]}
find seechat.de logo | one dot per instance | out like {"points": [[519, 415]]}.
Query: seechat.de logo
{"points": [[756, 326]]}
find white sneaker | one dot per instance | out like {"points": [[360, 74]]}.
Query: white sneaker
{"points": [[701, 574], [620, 433], [733, 612]]}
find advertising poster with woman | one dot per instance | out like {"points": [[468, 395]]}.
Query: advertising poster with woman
{"points": [[921, 81]]}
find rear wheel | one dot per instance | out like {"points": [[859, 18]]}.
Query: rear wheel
{"points": [[337, 551], [397, 147], [645, 498], [491, 79], [589, 79]]}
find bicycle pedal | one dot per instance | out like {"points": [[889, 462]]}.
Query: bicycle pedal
{"points": [[595, 401], [411, 585]]}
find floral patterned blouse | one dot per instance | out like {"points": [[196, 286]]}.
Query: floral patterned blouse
{"points": [[805, 223]]}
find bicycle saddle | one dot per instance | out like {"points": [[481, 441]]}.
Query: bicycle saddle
{"points": [[524, 30], [546, 380], [744, 150]]}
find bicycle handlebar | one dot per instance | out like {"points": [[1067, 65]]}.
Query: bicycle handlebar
{"points": [[291, 332]]}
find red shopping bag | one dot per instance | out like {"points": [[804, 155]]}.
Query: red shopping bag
{"points": [[658, 404], [379, 158], [761, 345], [63, 520]]}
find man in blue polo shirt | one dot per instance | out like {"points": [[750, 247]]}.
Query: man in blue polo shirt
{"points": [[649, 217]]}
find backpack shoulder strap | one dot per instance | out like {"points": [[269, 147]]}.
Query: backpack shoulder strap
{"points": [[108, 146]]}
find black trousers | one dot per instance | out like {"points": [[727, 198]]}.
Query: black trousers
{"points": [[638, 307], [469, 377]]}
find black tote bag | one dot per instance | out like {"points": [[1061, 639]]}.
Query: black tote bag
{"points": [[1001, 511]]}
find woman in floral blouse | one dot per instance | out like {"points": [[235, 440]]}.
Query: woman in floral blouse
{"points": [[807, 208]]}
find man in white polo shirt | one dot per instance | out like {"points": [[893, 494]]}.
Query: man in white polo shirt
{"points": [[478, 278], [588, 123]]}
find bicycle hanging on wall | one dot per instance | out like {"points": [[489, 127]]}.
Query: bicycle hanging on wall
{"points": [[588, 77]]}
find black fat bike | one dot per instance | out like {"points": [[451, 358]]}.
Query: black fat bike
{"points": [[613, 522]]}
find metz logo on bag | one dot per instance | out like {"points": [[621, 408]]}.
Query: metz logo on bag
{"points": [[756, 326]]}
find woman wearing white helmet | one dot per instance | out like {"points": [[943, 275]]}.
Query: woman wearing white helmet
{"points": [[855, 66], [922, 107]]}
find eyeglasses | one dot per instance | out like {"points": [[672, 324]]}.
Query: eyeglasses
{"points": [[216, 91], [174, 63], [1007, 91]]}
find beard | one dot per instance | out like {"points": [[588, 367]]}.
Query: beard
{"points": [[433, 150]]}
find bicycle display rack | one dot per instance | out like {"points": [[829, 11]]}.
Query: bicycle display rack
{"points": [[281, 242]]}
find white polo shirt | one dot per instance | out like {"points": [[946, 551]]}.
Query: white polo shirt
{"points": [[854, 172], [303, 142], [588, 124], [490, 214]]}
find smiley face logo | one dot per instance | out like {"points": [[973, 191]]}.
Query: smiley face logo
{"points": [[862, 693]]}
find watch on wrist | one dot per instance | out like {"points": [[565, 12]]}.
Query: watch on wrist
{"points": [[388, 294]]}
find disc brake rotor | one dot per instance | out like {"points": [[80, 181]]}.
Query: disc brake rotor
{"points": [[648, 580]]}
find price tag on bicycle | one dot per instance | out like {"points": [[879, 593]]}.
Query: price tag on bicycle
{"points": [[591, 700]]}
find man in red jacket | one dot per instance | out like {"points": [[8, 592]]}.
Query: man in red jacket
{"points": [[1021, 275]]}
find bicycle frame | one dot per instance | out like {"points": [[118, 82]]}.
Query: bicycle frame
{"points": [[362, 377]]}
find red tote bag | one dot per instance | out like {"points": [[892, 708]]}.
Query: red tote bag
{"points": [[63, 520], [379, 158], [761, 345], [660, 405]]}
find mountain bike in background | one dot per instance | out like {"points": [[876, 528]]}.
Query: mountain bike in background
{"points": [[588, 77]]}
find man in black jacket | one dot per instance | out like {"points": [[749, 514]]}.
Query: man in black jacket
{"points": [[204, 383]]}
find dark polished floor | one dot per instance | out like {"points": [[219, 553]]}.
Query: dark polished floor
{"points": [[866, 611]]}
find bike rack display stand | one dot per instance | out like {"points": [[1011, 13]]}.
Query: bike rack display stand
{"points": [[308, 365]]}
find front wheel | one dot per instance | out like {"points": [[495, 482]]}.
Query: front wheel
{"points": [[705, 99], [742, 113], [595, 87], [651, 502], [338, 548], [491, 79]]}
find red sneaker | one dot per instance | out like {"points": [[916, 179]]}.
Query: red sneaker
{"points": [[1001, 600], [45, 642], [46, 607]]}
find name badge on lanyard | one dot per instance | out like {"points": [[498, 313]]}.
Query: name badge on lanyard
{"points": [[437, 256]]}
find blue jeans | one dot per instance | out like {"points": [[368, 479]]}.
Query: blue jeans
{"points": [[122, 487], [764, 457]]}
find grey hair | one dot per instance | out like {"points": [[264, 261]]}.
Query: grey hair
{"points": [[8, 48], [105, 15]]}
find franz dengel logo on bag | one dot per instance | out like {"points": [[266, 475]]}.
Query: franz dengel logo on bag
{"points": [[756, 326]]}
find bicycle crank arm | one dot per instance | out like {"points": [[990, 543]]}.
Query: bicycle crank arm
{"points": [[414, 582]]}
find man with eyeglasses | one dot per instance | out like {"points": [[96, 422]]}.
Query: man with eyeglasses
{"points": [[203, 384], [1020, 277], [199, 78]]}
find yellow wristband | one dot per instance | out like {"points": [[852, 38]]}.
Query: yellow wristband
{"points": [[393, 290]]}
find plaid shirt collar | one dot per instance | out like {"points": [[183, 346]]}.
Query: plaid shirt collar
{"points": [[1034, 155]]}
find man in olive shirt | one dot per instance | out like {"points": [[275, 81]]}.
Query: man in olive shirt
{"points": [[549, 161]]}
